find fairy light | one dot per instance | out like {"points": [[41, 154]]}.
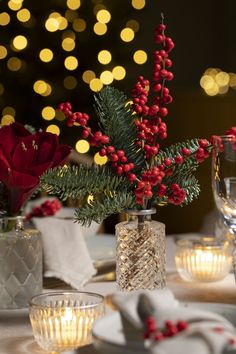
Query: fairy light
{"points": [[48, 113], [20, 42], [82, 146], [68, 34], [100, 160], [68, 44], [214, 81], [71, 63], [4, 19], [53, 129], [104, 57], [96, 85], [3, 52], [14, 6], [88, 75], [70, 82], [23, 15], [106, 77], [14, 64], [73, 4], [140, 57], [52, 24], [103, 16], [79, 25], [100, 28], [42, 88], [46, 55], [138, 4], [119, 72], [127, 34]]}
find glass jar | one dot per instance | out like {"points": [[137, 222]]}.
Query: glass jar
{"points": [[141, 254], [20, 263]]}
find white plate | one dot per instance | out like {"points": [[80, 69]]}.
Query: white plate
{"points": [[109, 338]]}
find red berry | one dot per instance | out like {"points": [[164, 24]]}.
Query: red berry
{"points": [[114, 157], [102, 152], [132, 177], [179, 159], [163, 111], [186, 151], [167, 161]]}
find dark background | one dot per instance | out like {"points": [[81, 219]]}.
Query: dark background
{"points": [[205, 36]]}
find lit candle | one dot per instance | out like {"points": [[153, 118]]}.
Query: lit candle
{"points": [[203, 260], [64, 324]]}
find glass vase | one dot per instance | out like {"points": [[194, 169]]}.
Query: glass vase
{"points": [[20, 263], [141, 254]]}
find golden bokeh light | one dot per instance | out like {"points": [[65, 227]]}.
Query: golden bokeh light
{"points": [[138, 4], [3, 52], [4, 19], [14, 6], [68, 34], [48, 91], [68, 44], [140, 57], [133, 24], [213, 91], [100, 160], [48, 113], [63, 23], [70, 82], [79, 25], [59, 115], [100, 28], [20, 42], [127, 34], [8, 110], [103, 16], [52, 24], [71, 63], [98, 7], [106, 77], [207, 82], [73, 4], [53, 129], [7, 119], [42, 88], [88, 75], [82, 146], [71, 15], [104, 57], [119, 72], [96, 85], [14, 64], [46, 55], [23, 15], [223, 89], [232, 81], [222, 78]]}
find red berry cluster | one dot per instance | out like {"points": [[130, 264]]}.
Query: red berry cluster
{"points": [[177, 195], [47, 208], [157, 334], [202, 152]]}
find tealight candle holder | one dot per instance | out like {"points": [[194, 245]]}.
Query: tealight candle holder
{"points": [[62, 321], [203, 260]]}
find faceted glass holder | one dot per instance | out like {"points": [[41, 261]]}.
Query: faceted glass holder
{"points": [[141, 254], [20, 263]]}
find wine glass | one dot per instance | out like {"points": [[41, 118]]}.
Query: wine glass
{"points": [[224, 182]]}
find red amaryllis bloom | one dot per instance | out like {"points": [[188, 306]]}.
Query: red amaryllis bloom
{"points": [[24, 157]]}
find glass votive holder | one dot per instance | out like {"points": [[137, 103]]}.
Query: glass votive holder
{"points": [[204, 260], [62, 321]]}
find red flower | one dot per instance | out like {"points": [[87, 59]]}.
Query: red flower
{"points": [[24, 157]]}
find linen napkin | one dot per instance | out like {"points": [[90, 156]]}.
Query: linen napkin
{"points": [[207, 332], [65, 253]]}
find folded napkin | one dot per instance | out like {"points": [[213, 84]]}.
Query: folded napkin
{"points": [[65, 252], [206, 333]]}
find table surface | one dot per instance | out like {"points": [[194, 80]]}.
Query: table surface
{"points": [[15, 330]]}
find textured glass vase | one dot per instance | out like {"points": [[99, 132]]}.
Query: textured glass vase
{"points": [[20, 263], [141, 255]]}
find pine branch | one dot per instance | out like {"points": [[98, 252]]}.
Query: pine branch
{"points": [[77, 182], [99, 210], [191, 188], [118, 123], [175, 149]]}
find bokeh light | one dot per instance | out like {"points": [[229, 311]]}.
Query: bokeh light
{"points": [[88, 75], [68, 44], [52, 24], [53, 129], [82, 146], [71, 63], [20, 42], [79, 25], [70, 82], [42, 88], [48, 113], [106, 77], [100, 160], [133, 24], [140, 57], [96, 85], [14, 64], [73, 4], [7, 119], [100, 28], [104, 57], [214, 81], [3, 52], [14, 6], [23, 15], [9, 110], [4, 19], [46, 55], [103, 16], [127, 34], [119, 72], [138, 4]]}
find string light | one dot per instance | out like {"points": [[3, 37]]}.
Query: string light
{"points": [[100, 28], [133, 24], [71, 63], [42, 88], [79, 25], [23, 15], [68, 44], [14, 6], [3, 52], [4, 19], [140, 57], [8, 110], [214, 81], [82, 146], [138, 4], [98, 7], [51, 24], [14, 64], [119, 72], [46, 55], [88, 75], [127, 34], [53, 129], [73, 4], [48, 113], [20, 42], [7, 119], [68, 34], [96, 85], [104, 57], [103, 16], [106, 77]]}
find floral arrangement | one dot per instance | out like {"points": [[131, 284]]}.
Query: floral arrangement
{"points": [[138, 174], [24, 157]]}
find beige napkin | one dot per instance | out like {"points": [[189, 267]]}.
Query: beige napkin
{"points": [[65, 252], [201, 337]]}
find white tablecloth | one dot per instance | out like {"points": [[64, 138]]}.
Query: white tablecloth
{"points": [[15, 330]]}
